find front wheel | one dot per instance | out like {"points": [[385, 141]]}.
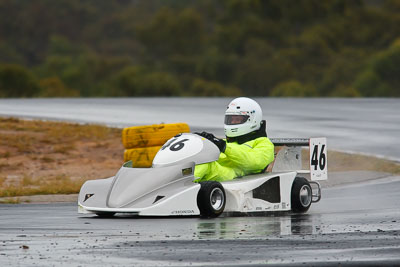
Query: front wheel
{"points": [[301, 196], [211, 199]]}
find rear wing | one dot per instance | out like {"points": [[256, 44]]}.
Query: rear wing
{"points": [[290, 141], [288, 156]]}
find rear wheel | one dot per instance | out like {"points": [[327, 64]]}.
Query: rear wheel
{"points": [[211, 199], [301, 196]]}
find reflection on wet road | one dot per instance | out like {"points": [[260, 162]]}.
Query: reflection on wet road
{"points": [[257, 227], [358, 224]]}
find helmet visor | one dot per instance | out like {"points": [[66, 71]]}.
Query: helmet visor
{"points": [[235, 119]]}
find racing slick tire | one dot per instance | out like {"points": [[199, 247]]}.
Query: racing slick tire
{"points": [[301, 195], [211, 199], [105, 214]]}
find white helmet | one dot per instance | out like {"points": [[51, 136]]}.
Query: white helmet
{"points": [[243, 116]]}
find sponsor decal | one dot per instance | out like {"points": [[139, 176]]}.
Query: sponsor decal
{"points": [[182, 212], [276, 207], [283, 205], [258, 208]]}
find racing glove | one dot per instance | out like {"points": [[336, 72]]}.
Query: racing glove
{"points": [[206, 135], [220, 143]]}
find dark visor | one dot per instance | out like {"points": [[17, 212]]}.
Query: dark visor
{"points": [[235, 119]]}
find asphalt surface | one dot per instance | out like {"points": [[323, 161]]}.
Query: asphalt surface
{"points": [[366, 125], [353, 224]]}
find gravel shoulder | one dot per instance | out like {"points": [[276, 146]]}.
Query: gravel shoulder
{"points": [[47, 162]]}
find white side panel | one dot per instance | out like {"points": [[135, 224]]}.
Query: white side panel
{"points": [[255, 205], [286, 182], [234, 199], [239, 196], [239, 193], [183, 203]]}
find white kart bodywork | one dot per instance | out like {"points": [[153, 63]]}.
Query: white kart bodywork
{"points": [[167, 189]]}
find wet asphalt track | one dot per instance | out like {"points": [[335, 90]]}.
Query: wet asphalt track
{"points": [[355, 224], [367, 125]]}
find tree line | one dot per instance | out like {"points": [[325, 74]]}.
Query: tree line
{"points": [[70, 48]]}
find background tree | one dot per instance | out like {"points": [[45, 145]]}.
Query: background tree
{"points": [[208, 48], [16, 81]]}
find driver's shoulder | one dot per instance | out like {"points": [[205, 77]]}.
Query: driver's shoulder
{"points": [[259, 140]]}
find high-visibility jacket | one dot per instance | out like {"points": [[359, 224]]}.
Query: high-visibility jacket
{"points": [[237, 160]]}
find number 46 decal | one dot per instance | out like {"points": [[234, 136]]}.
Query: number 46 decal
{"points": [[175, 146], [318, 159]]}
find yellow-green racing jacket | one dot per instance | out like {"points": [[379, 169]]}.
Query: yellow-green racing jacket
{"points": [[238, 160]]}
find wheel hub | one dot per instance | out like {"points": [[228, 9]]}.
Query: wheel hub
{"points": [[217, 198], [305, 195]]}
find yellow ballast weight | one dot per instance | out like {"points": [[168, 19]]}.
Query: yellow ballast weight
{"points": [[141, 157], [143, 142], [151, 135]]}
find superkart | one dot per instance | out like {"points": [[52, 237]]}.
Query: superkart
{"points": [[167, 188]]}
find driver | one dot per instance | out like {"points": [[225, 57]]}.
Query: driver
{"points": [[245, 150]]}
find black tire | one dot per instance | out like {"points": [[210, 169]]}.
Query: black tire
{"points": [[301, 196], [211, 199], [105, 214]]}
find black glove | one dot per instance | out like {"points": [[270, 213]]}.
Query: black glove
{"points": [[206, 135], [220, 143]]}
